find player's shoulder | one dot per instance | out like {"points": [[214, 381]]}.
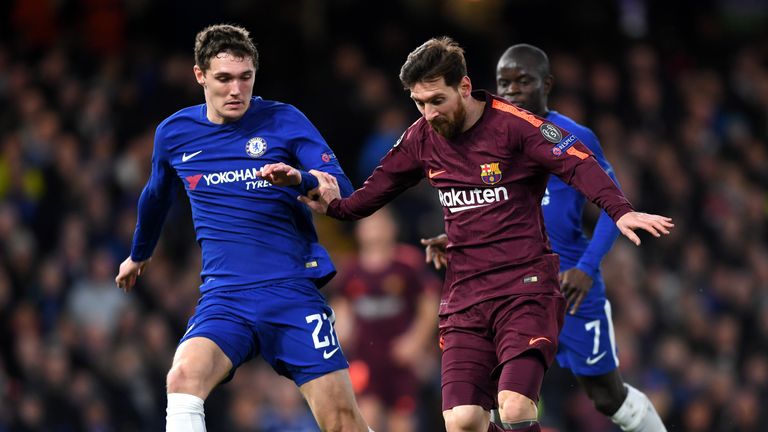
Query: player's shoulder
{"points": [[188, 113], [180, 120], [506, 115], [273, 107], [280, 115], [582, 132], [415, 134]]}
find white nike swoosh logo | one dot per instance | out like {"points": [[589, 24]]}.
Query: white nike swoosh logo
{"points": [[185, 157], [469, 207], [189, 329], [327, 355], [591, 361]]}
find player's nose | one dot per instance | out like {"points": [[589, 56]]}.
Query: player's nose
{"points": [[430, 113], [235, 88], [510, 90]]}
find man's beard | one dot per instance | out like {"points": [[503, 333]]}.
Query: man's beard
{"points": [[447, 128]]}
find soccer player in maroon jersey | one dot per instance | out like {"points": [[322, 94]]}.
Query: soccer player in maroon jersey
{"points": [[385, 302], [501, 308], [523, 77]]}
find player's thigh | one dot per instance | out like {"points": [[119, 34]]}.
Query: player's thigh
{"points": [[198, 366], [223, 320], [467, 361], [588, 343], [329, 395], [528, 322], [297, 337], [520, 381]]}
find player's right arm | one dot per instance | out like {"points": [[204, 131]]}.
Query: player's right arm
{"points": [[154, 202], [400, 169]]}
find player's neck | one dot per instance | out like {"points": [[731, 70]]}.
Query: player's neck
{"points": [[475, 110]]}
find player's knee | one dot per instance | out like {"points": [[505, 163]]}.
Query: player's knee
{"points": [[184, 378], [515, 407], [464, 418], [337, 420]]}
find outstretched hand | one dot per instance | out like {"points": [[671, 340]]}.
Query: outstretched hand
{"points": [[129, 271], [281, 174], [326, 191], [435, 248], [654, 224], [575, 285]]}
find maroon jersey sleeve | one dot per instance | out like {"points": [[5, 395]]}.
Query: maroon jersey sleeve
{"points": [[400, 169], [562, 154]]}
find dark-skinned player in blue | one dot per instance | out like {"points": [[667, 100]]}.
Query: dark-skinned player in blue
{"points": [[262, 263], [587, 343]]}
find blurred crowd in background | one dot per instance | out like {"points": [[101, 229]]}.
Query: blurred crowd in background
{"points": [[677, 94]]}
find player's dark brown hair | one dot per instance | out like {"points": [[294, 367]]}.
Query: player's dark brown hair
{"points": [[224, 38], [435, 58]]}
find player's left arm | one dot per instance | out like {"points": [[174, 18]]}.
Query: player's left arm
{"points": [[577, 281], [605, 231], [575, 164], [311, 153]]}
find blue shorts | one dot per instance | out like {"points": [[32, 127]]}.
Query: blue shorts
{"points": [[588, 344], [288, 323]]}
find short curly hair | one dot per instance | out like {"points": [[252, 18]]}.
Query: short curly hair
{"points": [[227, 38]]}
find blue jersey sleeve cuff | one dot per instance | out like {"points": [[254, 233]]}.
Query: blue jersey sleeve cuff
{"points": [[137, 257], [308, 182], [588, 269]]}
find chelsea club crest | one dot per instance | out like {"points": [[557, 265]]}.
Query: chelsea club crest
{"points": [[256, 147]]}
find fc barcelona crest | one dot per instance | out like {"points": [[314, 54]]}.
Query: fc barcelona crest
{"points": [[490, 173]]}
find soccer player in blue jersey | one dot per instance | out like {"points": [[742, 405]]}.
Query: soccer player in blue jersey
{"points": [[262, 263], [587, 345]]}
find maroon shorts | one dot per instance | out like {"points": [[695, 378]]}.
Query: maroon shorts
{"points": [[396, 387], [480, 341]]}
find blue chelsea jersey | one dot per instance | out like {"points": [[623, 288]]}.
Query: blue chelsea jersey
{"points": [[249, 230], [562, 206]]}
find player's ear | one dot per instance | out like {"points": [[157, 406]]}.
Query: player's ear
{"points": [[465, 87], [549, 80], [199, 75]]}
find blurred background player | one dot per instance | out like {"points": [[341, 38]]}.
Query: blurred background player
{"points": [[262, 264], [386, 309]]}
